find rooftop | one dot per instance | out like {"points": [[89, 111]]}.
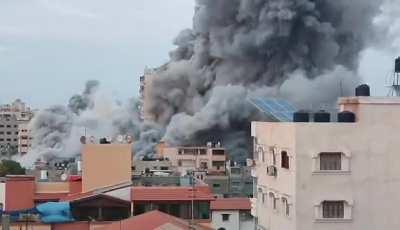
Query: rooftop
{"points": [[369, 100], [231, 204], [149, 221], [171, 193]]}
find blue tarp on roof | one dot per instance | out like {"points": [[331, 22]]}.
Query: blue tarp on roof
{"points": [[55, 212]]}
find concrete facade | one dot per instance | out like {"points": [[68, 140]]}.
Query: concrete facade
{"points": [[210, 159], [366, 183], [105, 165], [14, 134]]}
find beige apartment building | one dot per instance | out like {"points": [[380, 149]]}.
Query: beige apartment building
{"points": [[210, 158], [14, 132], [330, 176]]}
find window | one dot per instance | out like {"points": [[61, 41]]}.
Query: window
{"points": [[8, 126], [225, 217], [218, 164], [164, 168], [286, 207], [1, 133], [179, 162], [218, 152], [263, 198], [285, 160], [216, 185], [330, 161], [235, 184], [8, 133], [333, 209]]}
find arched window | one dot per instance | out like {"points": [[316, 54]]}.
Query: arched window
{"points": [[284, 160]]}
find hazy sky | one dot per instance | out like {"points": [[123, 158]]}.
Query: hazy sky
{"points": [[49, 48]]}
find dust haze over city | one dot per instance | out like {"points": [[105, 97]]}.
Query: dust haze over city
{"points": [[199, 114]]}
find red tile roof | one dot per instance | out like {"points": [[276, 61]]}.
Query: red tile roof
{"points": [[49, 196], [171, 193], [150, 221], [231, 204]]}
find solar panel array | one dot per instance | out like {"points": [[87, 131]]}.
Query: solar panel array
{"points": [[279, 109]]}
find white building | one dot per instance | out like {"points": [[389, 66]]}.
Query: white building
{"points": [[232, 214], [330, 176]]}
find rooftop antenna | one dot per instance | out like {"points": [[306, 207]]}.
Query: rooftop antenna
{"points": [[395, 87]]}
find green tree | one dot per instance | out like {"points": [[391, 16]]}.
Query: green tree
{"points": [[10, 167]]}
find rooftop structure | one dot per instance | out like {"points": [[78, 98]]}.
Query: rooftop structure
{"points": [[232, 214], [105, 165]]}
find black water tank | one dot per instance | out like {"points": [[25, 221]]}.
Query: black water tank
{"points": [[397, 65], [346, 117], [363, 91], [322, 116], [301, 116]]}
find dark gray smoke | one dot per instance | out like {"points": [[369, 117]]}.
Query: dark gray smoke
{"points": [[81, 102], [241, 48]]}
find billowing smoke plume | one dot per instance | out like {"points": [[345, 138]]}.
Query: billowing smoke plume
{"points": [[304, 50], [81, 102], [57, 130]]}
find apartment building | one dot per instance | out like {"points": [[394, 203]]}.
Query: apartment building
{"points": [[330, 175], [210, 158], [14, 133]]}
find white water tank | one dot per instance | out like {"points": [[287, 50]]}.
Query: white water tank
{"points": [[43, 175]]}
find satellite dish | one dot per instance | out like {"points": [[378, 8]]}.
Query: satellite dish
{"points": [[83, 140], [129, 139], [64, 177], [109, 139], [92, 139], [120, 139]]}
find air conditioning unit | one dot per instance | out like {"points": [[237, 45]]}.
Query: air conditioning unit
{"points": [[272, 171]]}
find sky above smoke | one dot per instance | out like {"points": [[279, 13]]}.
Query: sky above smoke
{"points": [[52, 43], [69, 42]]}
